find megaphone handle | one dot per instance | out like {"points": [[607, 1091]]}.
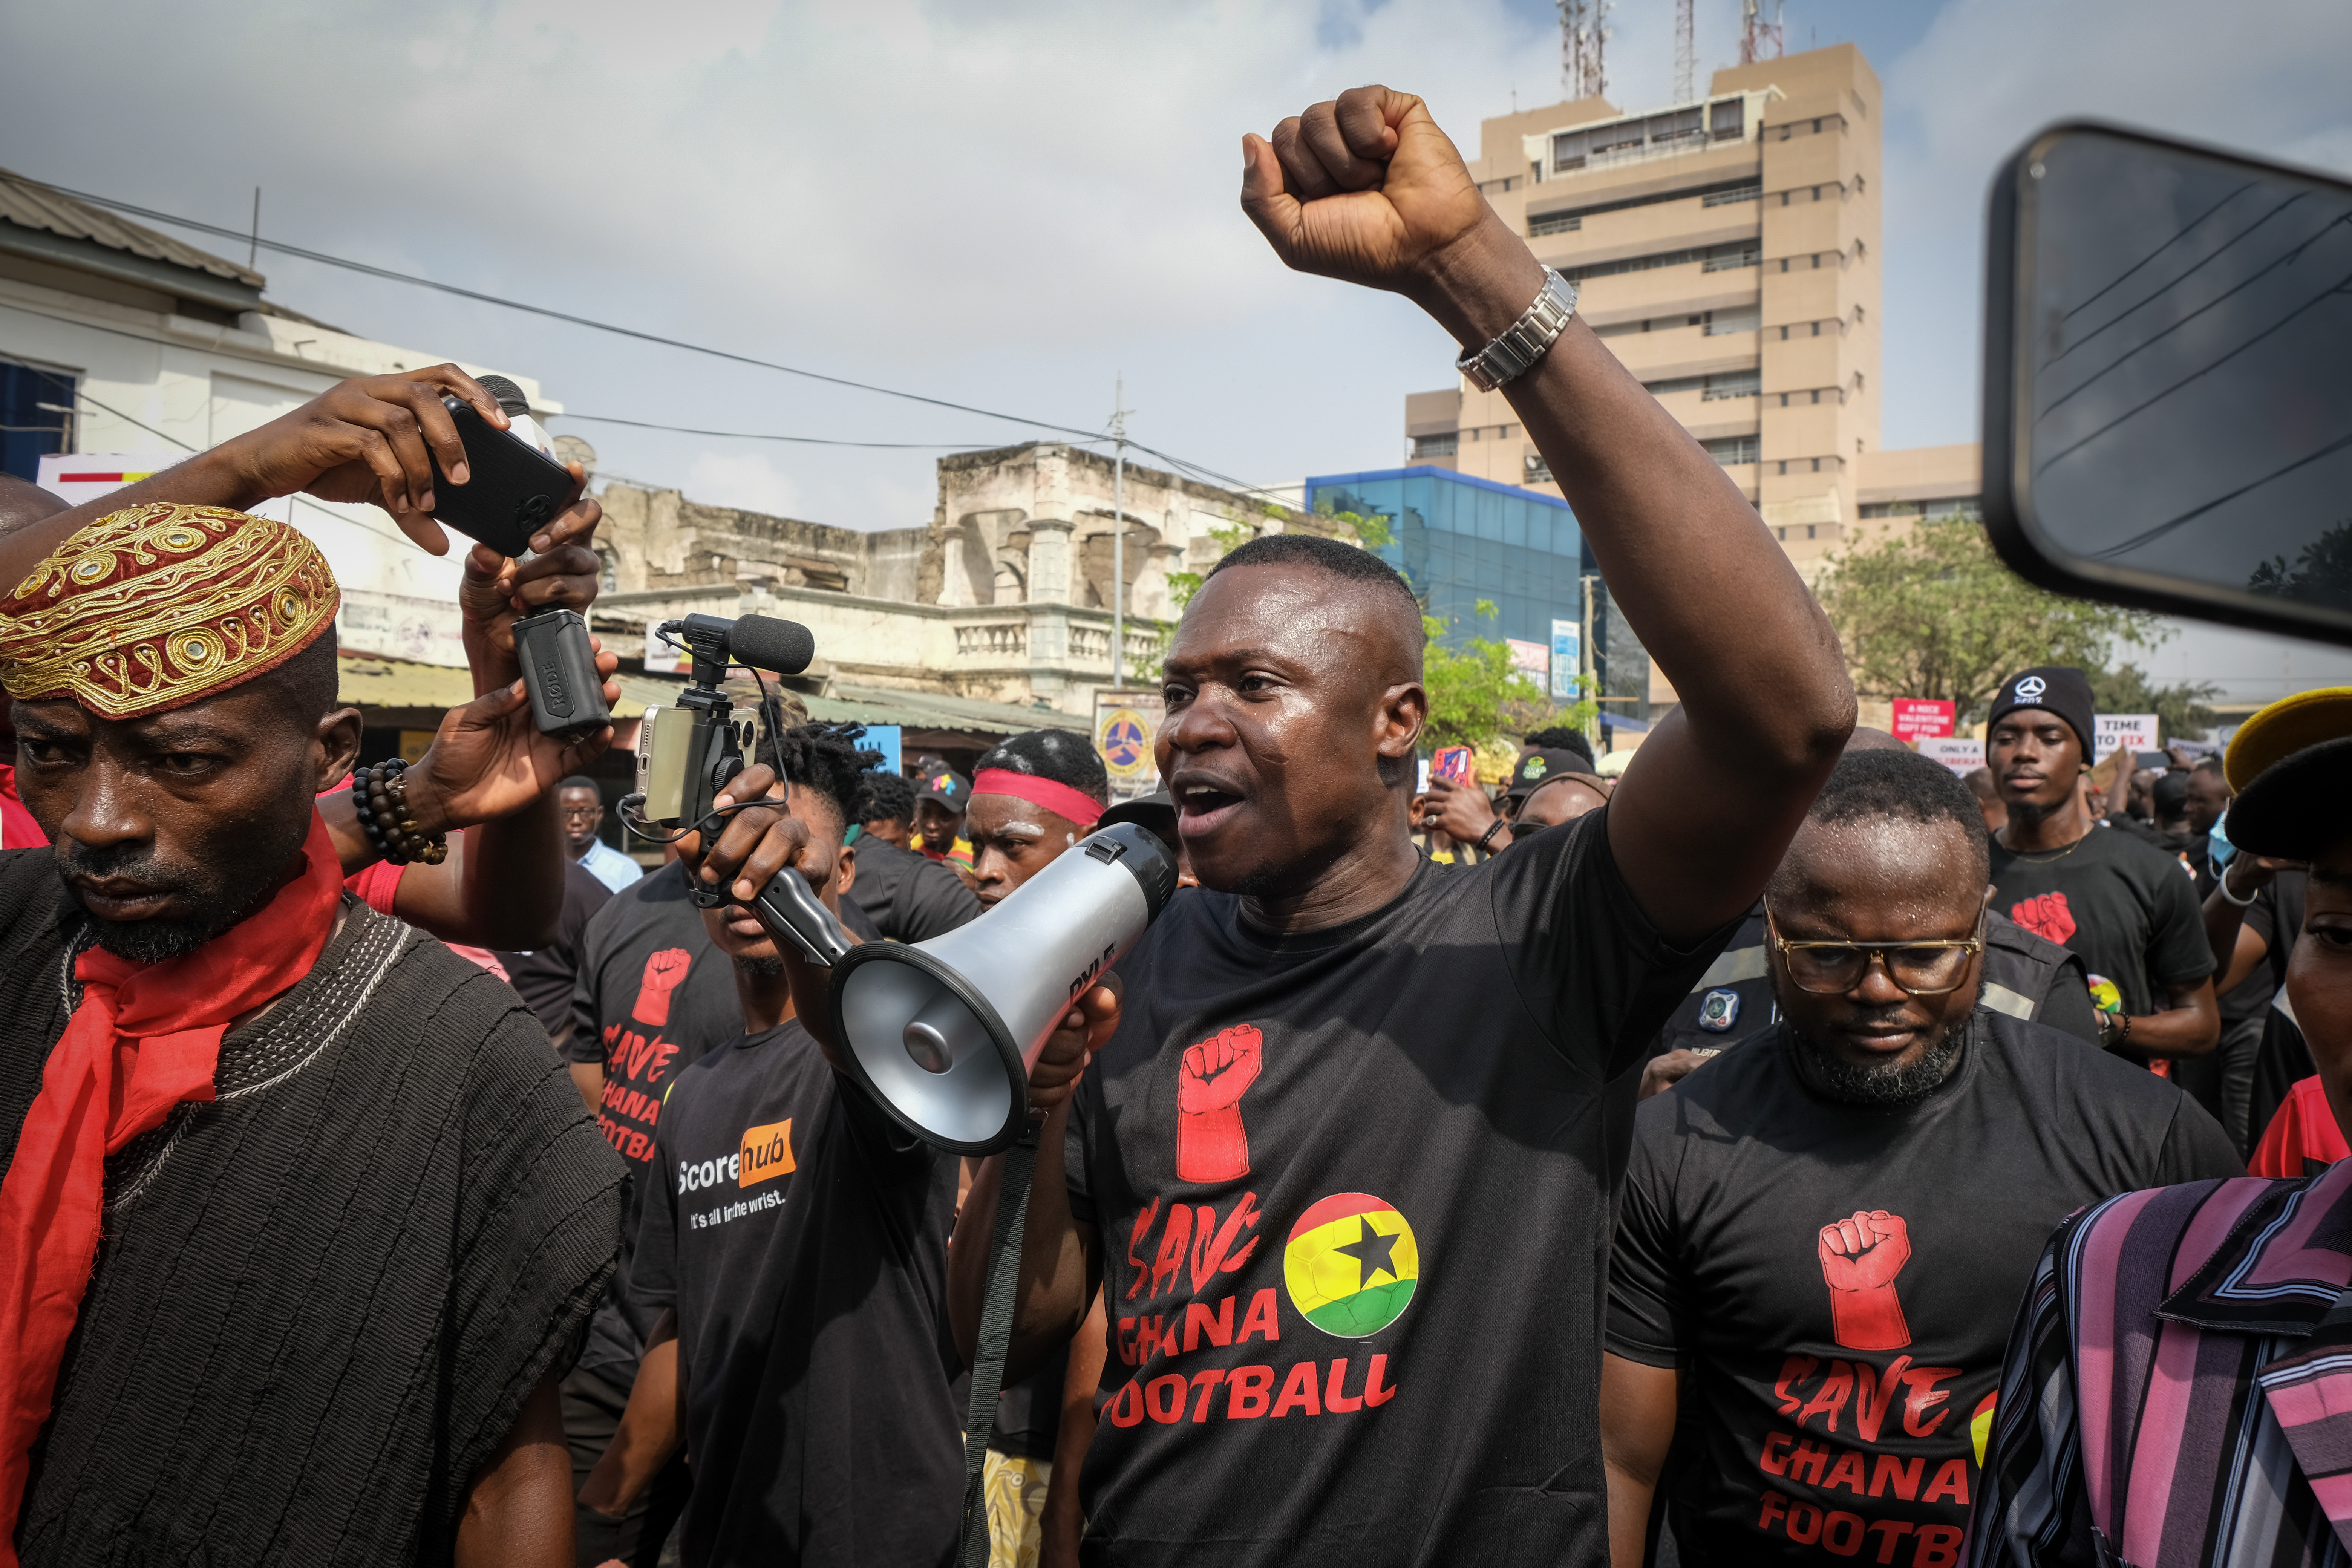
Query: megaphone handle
{"points": [[792, 913], [995, 1336]]}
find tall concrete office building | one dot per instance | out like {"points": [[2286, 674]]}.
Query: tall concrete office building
{"points": [[1728, 251]]}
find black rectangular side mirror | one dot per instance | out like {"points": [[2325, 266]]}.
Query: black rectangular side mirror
{"points": [[2167, 384]]}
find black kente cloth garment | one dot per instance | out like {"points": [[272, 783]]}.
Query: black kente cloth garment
{"points": [[320, 1299]]}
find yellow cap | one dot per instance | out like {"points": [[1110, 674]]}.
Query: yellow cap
{"points": [[2287, 726]]}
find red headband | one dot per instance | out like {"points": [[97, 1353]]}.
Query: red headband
{"points": [[1060, 798]]}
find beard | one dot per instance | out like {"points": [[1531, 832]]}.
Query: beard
{"points": [[1885, 1086], [761, 965], [230, 893], [2033, 813]]}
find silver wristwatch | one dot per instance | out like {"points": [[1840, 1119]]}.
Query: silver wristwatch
{"points": [[1511, 356]]}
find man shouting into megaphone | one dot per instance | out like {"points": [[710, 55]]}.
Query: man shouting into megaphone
{"points": [[1343, 1166]]}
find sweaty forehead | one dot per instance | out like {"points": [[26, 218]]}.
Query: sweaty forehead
{"points": [[1880, 857], [1304, 615]]}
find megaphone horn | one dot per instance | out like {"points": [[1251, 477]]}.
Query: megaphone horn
{"points": [[943, 1033]]}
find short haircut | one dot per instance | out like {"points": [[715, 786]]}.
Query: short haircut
{"points": [[2210, 765], [311, 681], [1062, 755], [825, 758], [1560, 738], [2170, 793], [580, 781], [1348, 560], [1878, 786], [1980, 784], [886, 797]]}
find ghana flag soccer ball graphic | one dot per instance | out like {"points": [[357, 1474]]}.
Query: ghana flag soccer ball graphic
{"points": [[1352, 1264]]}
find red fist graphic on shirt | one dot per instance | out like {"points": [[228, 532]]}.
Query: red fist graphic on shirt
{"points": [[1211, 1145], [2045, 915], [665, 971], [1859, 1258]]}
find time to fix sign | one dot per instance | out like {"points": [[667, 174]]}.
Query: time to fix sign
{"points": [[1920, 718]]}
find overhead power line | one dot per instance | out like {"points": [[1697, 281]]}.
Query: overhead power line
{"points": [[796, 440], [370, 269]]}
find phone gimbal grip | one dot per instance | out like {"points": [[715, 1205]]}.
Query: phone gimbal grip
{"points": [[791, 911]]}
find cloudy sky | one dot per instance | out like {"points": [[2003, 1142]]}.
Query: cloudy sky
{"points": [[1002, 205]]}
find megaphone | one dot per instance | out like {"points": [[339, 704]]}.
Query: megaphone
{"points": [[943, 1033]]}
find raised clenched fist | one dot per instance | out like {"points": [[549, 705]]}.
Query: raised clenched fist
{"points": [[665, 972], [1211, 1144], [1364, 187], [1860, 1257]]}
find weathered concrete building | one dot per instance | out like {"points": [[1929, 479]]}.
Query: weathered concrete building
{"points": [[1005, 596]]}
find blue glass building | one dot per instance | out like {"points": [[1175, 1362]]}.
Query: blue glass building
{"points": [[1459, 540]]}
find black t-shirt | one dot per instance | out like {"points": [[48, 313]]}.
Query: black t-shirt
{"points": [[909, 897], [654, 993], [2129, 909], [2024, 976], [1840, 1400], [1353, 1188], [803, 1239], [545, 976]]}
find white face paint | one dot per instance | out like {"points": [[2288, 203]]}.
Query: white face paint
{"points": [[1029, 827], [1069, 838]]}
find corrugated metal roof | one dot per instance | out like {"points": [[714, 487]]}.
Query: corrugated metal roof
{"points": [[28, 204], [368, 681], [930, 710]]}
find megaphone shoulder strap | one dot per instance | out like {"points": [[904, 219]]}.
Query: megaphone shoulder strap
{"points": [[995, 1336]]}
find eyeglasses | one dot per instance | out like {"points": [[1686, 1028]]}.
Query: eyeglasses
{"points": [[569, 812], [1918, 968]]}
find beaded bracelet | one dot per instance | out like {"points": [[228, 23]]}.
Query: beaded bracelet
{"points": [[380, 796]]}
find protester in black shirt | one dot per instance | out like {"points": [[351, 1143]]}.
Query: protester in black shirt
{"points": [[1343, 1173], [653, 995], [1826, 1232], [791, 1246], [547, 974], [908, 896], [2129, 909]]}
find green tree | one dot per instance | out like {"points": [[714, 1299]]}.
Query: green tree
{"points": [[2322, 572], [1473, 687], [1932, 612], [2180, 709]]}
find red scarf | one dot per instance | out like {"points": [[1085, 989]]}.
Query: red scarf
{"points": [[17, 828], [145, 1038]]}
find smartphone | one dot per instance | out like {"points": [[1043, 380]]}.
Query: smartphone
{"points": [[512, 489], [1451, 763]]}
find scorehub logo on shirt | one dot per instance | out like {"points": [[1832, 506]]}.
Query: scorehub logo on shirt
{"points": [[765, 1153]]}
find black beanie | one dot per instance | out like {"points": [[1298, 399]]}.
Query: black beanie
{"points": [[2059, 689]]}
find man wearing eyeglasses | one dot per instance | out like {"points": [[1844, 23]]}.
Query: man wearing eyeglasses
{"points": [[582, 805], [1824, 1233]]}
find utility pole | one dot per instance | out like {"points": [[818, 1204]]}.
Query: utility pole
{"points": [[1586, 686], [1119, 413], [253, 246]]}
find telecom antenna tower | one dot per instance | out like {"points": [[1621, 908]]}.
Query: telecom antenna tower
{"points": [[1583, 32], [1759, 39], [1686, 51]]}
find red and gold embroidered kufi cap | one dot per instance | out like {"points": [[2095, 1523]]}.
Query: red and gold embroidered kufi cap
{"points": [[161, 605]]}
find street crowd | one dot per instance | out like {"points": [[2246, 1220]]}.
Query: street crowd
{"points": [[1787, 1151]]}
